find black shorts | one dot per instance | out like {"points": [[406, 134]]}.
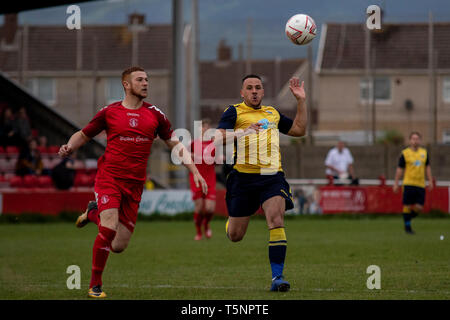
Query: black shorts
{"points": [[246, 192], [413, 195]]}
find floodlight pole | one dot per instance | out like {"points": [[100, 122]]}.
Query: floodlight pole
{"points": [[367, 68], [310, 95], [432, 81], [178, 76], [194, 74]]}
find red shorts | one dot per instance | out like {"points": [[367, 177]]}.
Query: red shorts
{"points": [[197, 193], [118, 194]]}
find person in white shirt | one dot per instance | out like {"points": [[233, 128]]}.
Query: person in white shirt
{"points": [[339, 163]]}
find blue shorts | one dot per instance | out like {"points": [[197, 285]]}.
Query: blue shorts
{"points": [[246, 192], [413, 195]]}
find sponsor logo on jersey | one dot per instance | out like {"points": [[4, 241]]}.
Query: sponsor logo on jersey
{"points": [[134, 139]]}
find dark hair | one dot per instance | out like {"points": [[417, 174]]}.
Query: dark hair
{"points": [[130, 70], [415, 133], [251, 76]]}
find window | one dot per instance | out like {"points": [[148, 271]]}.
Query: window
{"points": [[43, 88], [114, 90], [446, 136], [382, 89], [446, 89]]}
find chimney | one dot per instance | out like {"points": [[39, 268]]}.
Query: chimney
{"points": [[10, 28], [136, 19], [223, 51]]}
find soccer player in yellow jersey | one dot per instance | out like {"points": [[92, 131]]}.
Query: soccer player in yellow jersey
{"points": [[413, 164], [257, 178]]}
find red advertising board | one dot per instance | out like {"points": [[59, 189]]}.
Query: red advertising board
{"points": [[375, 199], [333, 199]]}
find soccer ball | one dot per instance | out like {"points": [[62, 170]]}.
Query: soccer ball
{"points": [[301, 29]]}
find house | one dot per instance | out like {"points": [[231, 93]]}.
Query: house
{"points": [[77, 72], [221, 81], [399, 66]]}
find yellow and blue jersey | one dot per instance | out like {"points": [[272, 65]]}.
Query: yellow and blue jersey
{"points": [[414, 164], [256, 153]]}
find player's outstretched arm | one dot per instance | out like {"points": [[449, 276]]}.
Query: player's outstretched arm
{"points": [[298, 128], [77, 140], [186, 159]]}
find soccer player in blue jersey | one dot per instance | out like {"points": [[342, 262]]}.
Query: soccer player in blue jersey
{"points": [[257, 178]]}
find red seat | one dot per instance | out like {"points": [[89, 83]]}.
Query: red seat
{"points": [[53, 149], [42, 149], [16, 182], [9, 176], [91, 171], [12, 150], [30, 181], [84, 180], [45, 182]]}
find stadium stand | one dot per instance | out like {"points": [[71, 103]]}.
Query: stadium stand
{"points": [[46, 121]]}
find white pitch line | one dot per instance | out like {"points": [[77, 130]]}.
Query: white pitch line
{"points": [[169, 286]]}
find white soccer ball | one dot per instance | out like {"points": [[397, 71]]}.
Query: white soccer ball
{"points": [[301, 29]]}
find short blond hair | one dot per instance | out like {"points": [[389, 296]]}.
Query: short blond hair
{"points": [[130, 70]]}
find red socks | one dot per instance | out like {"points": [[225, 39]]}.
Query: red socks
{"points": [[198, 218], [102, 246], [93, 216], [206, 219]]}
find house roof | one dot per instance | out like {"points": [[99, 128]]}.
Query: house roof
{"points": [[53, 48], [396, 46], [222, 79]]}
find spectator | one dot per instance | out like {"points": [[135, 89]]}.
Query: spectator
{"points": [[301, 200], [314, 203], [29, 161], [9, 132], [23, 124], [339, 163], [63, 174], [43, 142]]}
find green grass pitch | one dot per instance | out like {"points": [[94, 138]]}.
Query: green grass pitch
{"points": [[326, 259]]}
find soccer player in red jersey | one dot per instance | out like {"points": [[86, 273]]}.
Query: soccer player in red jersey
{"points": [[131, 126], [203, 153]]}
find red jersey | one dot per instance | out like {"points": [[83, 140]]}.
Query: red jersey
{"points": [[130, 134], [204, 153]]}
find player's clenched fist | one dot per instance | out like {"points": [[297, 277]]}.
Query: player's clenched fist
{"points": [[65, 151]]}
